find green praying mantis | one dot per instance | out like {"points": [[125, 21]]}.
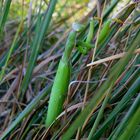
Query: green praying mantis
{"points": [[62, 78]]}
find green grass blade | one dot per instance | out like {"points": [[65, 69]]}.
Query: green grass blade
{"points": [[37, 43], [134, 75], [129, 130], [4, 15], [100, 114], [9, 53], [34, 103], [137, 134], [135, 88], [131, 126], [101, 92]]}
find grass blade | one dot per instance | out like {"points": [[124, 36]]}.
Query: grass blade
{"points": [[101, 92], [26, 111], [10, 53], [4, 15], [135, 88], [37, 43], [129, 130]]}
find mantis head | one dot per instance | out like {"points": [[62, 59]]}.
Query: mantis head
{"points": [[77, 27]]}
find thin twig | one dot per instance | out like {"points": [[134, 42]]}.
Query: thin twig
{"points": [[113, 57]]}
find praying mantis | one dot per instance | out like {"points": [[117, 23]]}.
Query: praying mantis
{"points": [[62, 78]]}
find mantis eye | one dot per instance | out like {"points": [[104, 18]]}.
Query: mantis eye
{"points": [[77, 27]]}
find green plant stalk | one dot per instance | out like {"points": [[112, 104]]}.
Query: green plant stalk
{"points": [[1, 5], [120, 129], [61, 82], [20, 39], [4, 15], [111, 7], [34, 103], [134, 89], [100, 114], [126, 119], [37, 43], [121, 90], [137, 135], [9, 53], [101, 92], [132, 124], [37, 118]]}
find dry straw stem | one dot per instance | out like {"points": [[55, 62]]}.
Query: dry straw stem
{"points": [[117, 56]]}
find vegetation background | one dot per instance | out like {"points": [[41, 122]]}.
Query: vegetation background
{"points": [[103, 100]]}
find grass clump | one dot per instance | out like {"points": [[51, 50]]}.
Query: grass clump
{"points": [[75, 68]]}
